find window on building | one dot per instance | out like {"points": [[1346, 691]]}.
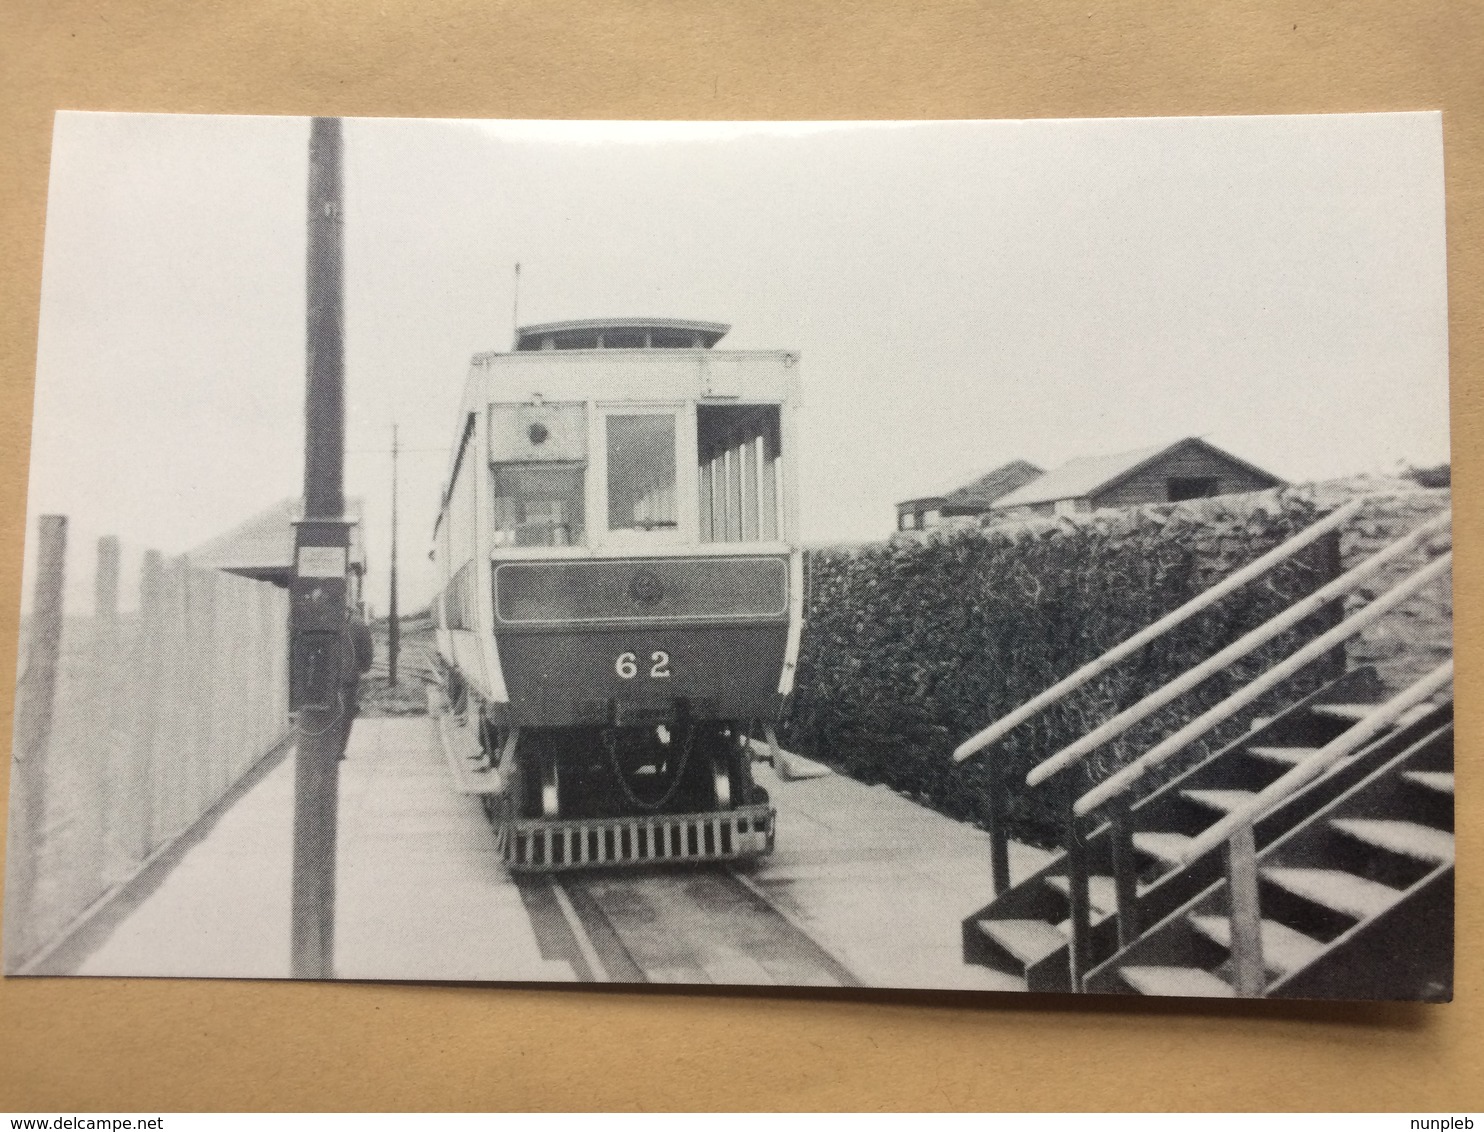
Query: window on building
{"points": [[1192, 487], [931, 517]]}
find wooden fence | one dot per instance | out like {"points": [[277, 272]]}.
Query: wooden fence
{"points": [[130, 727]]}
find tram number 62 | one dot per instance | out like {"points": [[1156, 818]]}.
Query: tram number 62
{"points": [[627, 665]]}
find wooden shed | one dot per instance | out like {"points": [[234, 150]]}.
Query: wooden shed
{"points": [[1187, 469], [974, 498]]}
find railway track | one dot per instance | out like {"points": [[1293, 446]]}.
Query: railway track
{"points": [[695, 924], [677, 923]]}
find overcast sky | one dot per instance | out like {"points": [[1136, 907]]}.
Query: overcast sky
{"points": [[962, 294]]}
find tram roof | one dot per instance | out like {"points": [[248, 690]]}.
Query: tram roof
{"points": [[706, 334]]}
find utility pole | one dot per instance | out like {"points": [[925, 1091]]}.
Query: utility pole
{"points": [[393, 626], [318, 590]]}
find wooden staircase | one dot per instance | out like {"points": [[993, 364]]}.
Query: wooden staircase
{"points": [[1026, 932], [1143, 864], [1355, 901]]}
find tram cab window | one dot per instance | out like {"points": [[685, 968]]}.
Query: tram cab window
{"points": [[538, 504], [741, 483], [641, 472]]}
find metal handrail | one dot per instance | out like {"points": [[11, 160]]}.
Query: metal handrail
{"points": [[1290, 617], [1001, 727], [1117, 783], [1316, 764]]}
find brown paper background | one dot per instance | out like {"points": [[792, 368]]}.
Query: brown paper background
{"points": [[141, 1045]]}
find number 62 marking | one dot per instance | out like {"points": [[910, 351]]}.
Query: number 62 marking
{"points": [[627, 665]]}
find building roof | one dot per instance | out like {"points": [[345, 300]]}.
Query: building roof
{"points": [[993, 485], [1091, 475], [982, 491], [262, 547]]}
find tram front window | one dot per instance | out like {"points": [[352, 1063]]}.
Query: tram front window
{"points": [[641, 472], [538, 505]]}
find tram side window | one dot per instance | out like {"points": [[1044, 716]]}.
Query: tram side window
{"points": [[538, 504], [740, 473]]}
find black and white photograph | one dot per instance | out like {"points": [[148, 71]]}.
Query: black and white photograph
{"points": [[1005, 556]]}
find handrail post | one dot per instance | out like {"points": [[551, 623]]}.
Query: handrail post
{"points": [[1125, 871], [999, 835], [1079, 955], [1249, 975]]}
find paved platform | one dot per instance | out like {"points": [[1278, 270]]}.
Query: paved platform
{"points": [[880, 882], [421, 894]]}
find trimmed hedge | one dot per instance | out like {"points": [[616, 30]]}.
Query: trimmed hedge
{"points": [[912, 646]]}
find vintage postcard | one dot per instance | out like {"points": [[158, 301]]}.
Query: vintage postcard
{"points": [[1001, 556]]}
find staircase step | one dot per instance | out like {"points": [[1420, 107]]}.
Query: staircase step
{"points": [[1182, 982], [1102, 893], [1420, 842], [1166, 847], [1343, 892], [1439, 780], [1222, 801], [1288, 756], [1028, 940], [1283, 949], [1352, 713]]}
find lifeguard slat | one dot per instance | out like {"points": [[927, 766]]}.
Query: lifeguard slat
{"points": [[679, 837]]}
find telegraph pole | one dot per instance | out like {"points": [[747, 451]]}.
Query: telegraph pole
{"points": [[318, 591], [393, 626]]}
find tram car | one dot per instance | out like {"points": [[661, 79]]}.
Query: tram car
{"points": [[621, 591]]}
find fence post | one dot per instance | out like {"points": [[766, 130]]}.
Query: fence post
{"points": [[35, 701], [148, 689], [999, 835], [1248, 974], [99, 753], [1125, 871], [1079, 955]]}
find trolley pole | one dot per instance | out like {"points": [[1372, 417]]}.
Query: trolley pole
{"points": [[318, 591], [393, 626]]}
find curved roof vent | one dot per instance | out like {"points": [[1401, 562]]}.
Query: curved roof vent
{"points": [[621, 334]]}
